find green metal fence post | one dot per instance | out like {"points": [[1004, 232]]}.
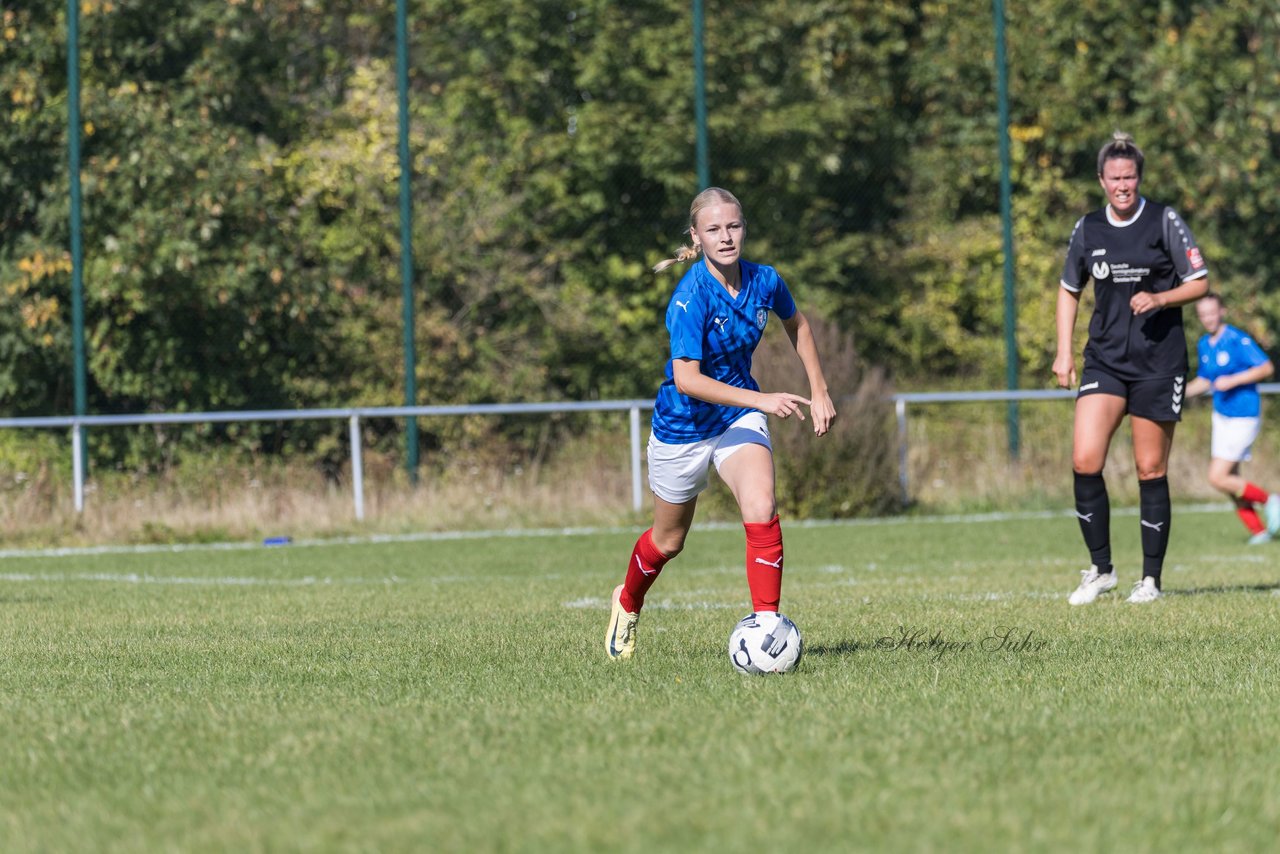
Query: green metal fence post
{"points": [[77, 252], [1006, 219], [406, 237], [700, 98]]}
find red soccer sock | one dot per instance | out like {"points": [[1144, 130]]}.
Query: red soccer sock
{"points": [[1250, 518], [642, 571], [1253, 494], [764, 563]]}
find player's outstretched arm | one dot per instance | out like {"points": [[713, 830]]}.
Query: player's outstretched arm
{"points": [[823, 409], [690, 380], [1256, 374], [1198, 386]]}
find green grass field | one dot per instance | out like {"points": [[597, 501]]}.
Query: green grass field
{"points": [[453, 695]]}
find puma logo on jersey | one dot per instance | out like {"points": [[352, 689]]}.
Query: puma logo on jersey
{"points": [[684, 305], [720, 322], [1155, 526]]}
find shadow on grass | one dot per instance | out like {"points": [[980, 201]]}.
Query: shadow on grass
{"points": [[847, 647], [1225, 588]]}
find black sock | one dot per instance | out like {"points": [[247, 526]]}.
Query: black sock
{"points": [[1153, 498], [1093, 509]]}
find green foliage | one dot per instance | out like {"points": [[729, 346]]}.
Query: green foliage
{"points": [[852, 470]]}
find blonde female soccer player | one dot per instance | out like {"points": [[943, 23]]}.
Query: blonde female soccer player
{"points": [[711, 412]]}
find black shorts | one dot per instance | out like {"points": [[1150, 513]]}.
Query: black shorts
{"points": [[1156, 400]]}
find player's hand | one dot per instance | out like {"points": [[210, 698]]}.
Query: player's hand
{"points": [[1064, 370], [783, 404], [1225, 383], [823, 412], [1144, 301]]}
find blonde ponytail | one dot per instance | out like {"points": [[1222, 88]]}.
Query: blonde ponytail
{"points": [[684, 253]]}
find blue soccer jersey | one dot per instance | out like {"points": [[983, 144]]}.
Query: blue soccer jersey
{"points": [[1233, 352], [721, 333]]}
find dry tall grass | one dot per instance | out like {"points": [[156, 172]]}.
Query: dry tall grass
{"points": [[958, 463], [959, 458], [587, 483]]}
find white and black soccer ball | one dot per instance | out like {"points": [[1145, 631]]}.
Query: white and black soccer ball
{"points": [[765, 642]]}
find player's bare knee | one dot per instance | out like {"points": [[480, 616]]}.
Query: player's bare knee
{"points": [[670, 544], [758, 510], [1086, 465]]}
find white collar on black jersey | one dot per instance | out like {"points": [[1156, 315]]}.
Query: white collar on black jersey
{"points": [[1125, 223]]}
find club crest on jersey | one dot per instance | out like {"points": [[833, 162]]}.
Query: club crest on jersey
{"points": [[762, 317], [1101, 270], [1193, 255], [1223, 358]]}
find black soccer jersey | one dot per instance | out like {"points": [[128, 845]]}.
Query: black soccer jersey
{"points": [[1154, 252]]}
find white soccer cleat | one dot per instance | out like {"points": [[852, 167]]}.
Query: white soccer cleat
{"points": [[1260, 538], [620, 639], [1272, 510], [1092, 585], [1144, 591]]}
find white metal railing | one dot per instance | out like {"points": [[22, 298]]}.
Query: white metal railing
{"points": [[353, 415], [77, 424], [901, 400]]}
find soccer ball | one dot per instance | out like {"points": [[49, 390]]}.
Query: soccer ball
{"points": [[765, 642]]}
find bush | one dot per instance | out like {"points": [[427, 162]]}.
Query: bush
{"points": [[852, 470]]}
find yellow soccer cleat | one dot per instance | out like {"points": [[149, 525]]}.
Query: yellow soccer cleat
{"points": [[620, 640]]}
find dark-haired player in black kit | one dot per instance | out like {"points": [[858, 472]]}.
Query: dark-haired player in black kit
{"points": [[1145, 266]]}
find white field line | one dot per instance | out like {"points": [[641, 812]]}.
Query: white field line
{"points": [[870, 576], [693, 600], [214, 581], [837, 575], [601, 603], [440, 536]]}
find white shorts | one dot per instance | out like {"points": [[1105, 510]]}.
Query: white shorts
{"points": [[1233, 437], [678, 473]]}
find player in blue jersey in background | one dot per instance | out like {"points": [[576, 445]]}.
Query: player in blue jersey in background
{"points": [[1231, 364], [710, 411]]}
